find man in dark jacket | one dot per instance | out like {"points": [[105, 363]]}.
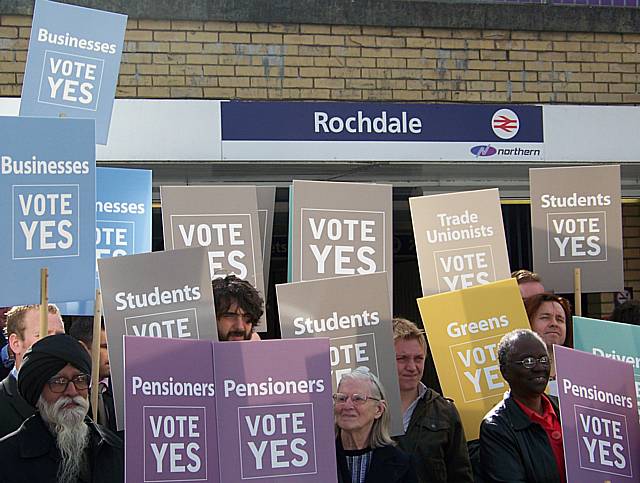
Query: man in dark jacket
{"points": [[433, 430], [521, 437], [59, 444], [23, 325]]}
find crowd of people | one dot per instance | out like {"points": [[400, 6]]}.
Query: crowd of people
{"points": [[47, 435]]}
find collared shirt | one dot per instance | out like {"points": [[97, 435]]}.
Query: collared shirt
{"points": [[406, 417], [551, 425], [14, 372]]}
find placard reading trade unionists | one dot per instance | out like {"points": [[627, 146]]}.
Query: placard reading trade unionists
{"points": [[170, 411], [612, 340], [275, 419], [159, 294], [460, 240], [576, 222], [224, 219], [123, 220], [354, 313], [340, 229], [73, 64], [464, 328], [47, 179], [600, 428]]}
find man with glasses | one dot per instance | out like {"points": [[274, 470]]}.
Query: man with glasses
{"points": [[521, 437], [238, 308], [59, 444]]}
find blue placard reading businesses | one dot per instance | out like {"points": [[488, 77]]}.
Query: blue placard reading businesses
{"points": [[73, 64], [47, 181], [350, 121], [123, 220]]}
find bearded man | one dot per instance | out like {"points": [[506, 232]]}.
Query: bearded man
{"points": [[59, 444]]}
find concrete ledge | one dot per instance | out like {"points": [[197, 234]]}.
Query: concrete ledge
{"points": [[388, 13]]}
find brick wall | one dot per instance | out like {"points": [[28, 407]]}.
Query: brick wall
{"points": [[227, 60]]}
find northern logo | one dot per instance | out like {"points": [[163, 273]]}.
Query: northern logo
{"points": [[483, 150], [505, 123]]}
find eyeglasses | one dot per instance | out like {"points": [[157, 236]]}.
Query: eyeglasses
{"points": [[356, 399], [530, 362], [60, 384], [246, 318]]}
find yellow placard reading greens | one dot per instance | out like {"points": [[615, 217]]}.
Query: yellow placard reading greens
{"points": [[464, 328]]}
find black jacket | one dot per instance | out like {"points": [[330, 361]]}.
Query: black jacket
{"points": [[13, 408], [30, 455], [435, 439], [388, 465], [513, 449]]}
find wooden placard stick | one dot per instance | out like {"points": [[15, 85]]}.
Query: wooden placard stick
{"points": [[577, 291], [44, 302], [95, 355]]}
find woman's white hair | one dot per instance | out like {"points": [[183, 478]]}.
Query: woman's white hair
{"points": [[380, 432]]}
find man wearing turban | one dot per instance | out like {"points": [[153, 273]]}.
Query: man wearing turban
{"points": [[59, 444]]}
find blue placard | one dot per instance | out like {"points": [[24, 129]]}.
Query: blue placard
{"points": [[350, 121], [123, 220], [73, 64], [47, 180]]}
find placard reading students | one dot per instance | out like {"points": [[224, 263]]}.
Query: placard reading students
{"points": [[612, 340], [464, 328], [600, 428], [73, 63], [354, 313], [171, 414], [340, 229], [576, 221], [47, 177], [160, 294], [275, 420], [459, 240], [223, 219], [123, 220]]}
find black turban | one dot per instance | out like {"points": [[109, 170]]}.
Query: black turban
{"points": [[45, 359]]}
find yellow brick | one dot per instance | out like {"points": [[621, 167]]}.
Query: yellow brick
{"points": [[154, 24], [480, 85], [299, 61], [314, 51], [7, 78], [345, 30], [609, 57], [16, 20], [402, 95], [418, 84], [556, 36], [219, 93], [581, 97], [607, 77], [315, 29], [271, 82], [593, 87], [252, 93], [493, 55], [315, 93], [523, 55], [298, 39], [482, 64], [219, 70], [552, 56], [622, 88], [314, 72], [595, 67], [126, 91], [541, 45], [252, 27], [201, 81], [24, 32], [214, 26], [329, 39], [363, 62], [392, 63], [375, 73], [129, 57], [135, 80], [594, 47], [186, 47], [190, 59], [377, 95], [567, 86], [623, 47], [494, 75], [266, 38], [345, 51], [233, 81], [525, 35], [510, 44], [453, 44], [390, 42], [421, 64], [551, 97], [580, 56], [202, 37], [139, 35], [347, 72], [406, 74], [608, 98], [361, 40], [496, 97], [152, 69], [297, 82], [152, 46], [360, 84], [329, 61], [186, 92], [375, 52], [406, 53], [9, 32], [458, 96], [347, 94], [170, 36], [186, 25], [288, 94], [190, 70], [484, 44], [132, 24], [248, 71], [168, 80], [14, 44], [235, 38], [284, 28], [428, 43], [329, 83], [158, 92], [538, 66], [10, 90], [396, 84], [12, 67]]}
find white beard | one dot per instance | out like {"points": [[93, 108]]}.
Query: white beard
{"points": [[70, 431]]}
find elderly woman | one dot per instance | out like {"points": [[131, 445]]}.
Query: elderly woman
{"points": [[550, 318], [365, 452], [521, 437]]}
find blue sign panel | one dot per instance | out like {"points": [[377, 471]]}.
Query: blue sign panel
{"points": [[123, 220], [349, 121], [73, 63], [47, 180]]}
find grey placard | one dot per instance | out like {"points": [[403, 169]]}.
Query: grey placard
{"points": [[460, 240], [160, 294], [340, 229], [223, 219], [266, 209], [576, 222], [354, 312]]}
